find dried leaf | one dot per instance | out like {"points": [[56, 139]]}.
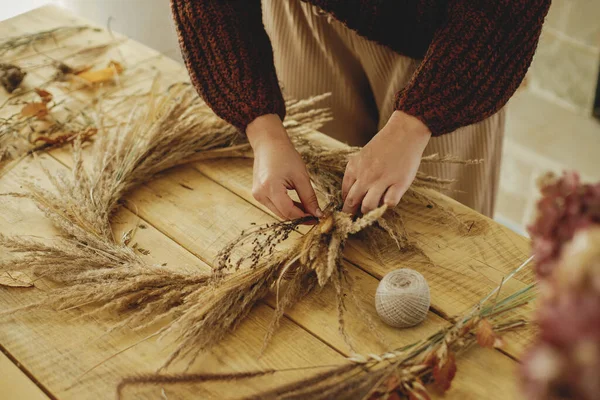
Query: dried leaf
{"points": [[444, 372], [15, 279], [486, 337], [44, 95], [37, 110], [102, 75]]}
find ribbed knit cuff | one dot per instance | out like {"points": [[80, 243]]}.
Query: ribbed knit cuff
{"points": [[437, 124], [250, 109]]}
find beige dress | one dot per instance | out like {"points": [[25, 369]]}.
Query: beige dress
{"points": [[315, 53]]}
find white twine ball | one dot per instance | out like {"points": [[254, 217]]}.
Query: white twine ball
{"points": [[402, 298]]}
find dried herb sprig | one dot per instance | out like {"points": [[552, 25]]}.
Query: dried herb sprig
{"points": [[40, 123], [410, 371], [20, 43]]}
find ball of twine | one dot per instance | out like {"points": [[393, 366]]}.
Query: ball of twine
{"points": [[402, 298]]}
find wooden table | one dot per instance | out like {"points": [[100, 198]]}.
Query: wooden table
{"points": [[190, 213]]}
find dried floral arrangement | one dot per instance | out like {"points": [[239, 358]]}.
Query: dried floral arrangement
{"points": [[11, 75], [162, 132], [412, 371], [29, 125], [40, 123], [564, 361]]}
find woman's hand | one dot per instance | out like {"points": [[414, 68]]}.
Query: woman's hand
{"points": [[384, 169], [278, 168]]}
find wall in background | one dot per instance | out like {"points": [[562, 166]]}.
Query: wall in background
{"points": [[10, 8], [147, 21], [565, 67]]}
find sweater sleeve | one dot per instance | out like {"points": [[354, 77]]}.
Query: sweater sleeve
{"points": [[229, 57], [475, 62]]}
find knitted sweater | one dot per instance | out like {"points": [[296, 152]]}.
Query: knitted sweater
{"points": [[474, 53]]}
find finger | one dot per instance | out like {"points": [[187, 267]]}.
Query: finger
{"points": [[260, 196], [269, 204], [349, 179], [354, 199], [286, 205], [307, 196], [373, 198], [393, 195]]}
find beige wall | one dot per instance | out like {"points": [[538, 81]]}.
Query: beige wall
{"points": [[147, 21], [565, 68]]}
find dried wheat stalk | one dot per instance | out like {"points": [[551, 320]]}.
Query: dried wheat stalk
{"points": [[163, 132], [96, 268]]}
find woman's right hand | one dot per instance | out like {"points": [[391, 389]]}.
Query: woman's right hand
{"points": [[278, 168]]}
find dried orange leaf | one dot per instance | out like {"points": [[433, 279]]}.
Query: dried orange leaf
{"points": [[44, 95], [38, 110], [102, 75], [444, 372], [15, 279], [486, 337]]}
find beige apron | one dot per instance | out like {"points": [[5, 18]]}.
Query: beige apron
{"points": [[315, 53]]}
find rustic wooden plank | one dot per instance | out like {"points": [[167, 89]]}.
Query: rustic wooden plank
{"points": [[15, 384]]}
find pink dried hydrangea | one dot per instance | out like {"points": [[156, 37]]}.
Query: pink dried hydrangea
{"points": [[564, 362], [567, 206]]}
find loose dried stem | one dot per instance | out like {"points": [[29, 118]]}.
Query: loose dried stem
{"points": [[20, 43]]}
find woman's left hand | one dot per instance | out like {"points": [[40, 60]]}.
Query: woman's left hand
{"points": [[384, 169]]}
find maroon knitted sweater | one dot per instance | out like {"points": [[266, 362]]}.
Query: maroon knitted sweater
{"points": [[475, 53]]}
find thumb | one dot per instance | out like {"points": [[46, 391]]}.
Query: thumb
{"points": [[307, 196]]}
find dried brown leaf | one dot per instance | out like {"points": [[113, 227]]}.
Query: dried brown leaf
{"points": [[37, 110], [486, 337], [443, 373], [15, 279], [45, 95]]}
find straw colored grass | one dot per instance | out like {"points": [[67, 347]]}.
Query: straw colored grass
{"points": [[98, 270]]}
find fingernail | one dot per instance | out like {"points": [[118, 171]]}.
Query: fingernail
{"points": [[319, 213]]}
